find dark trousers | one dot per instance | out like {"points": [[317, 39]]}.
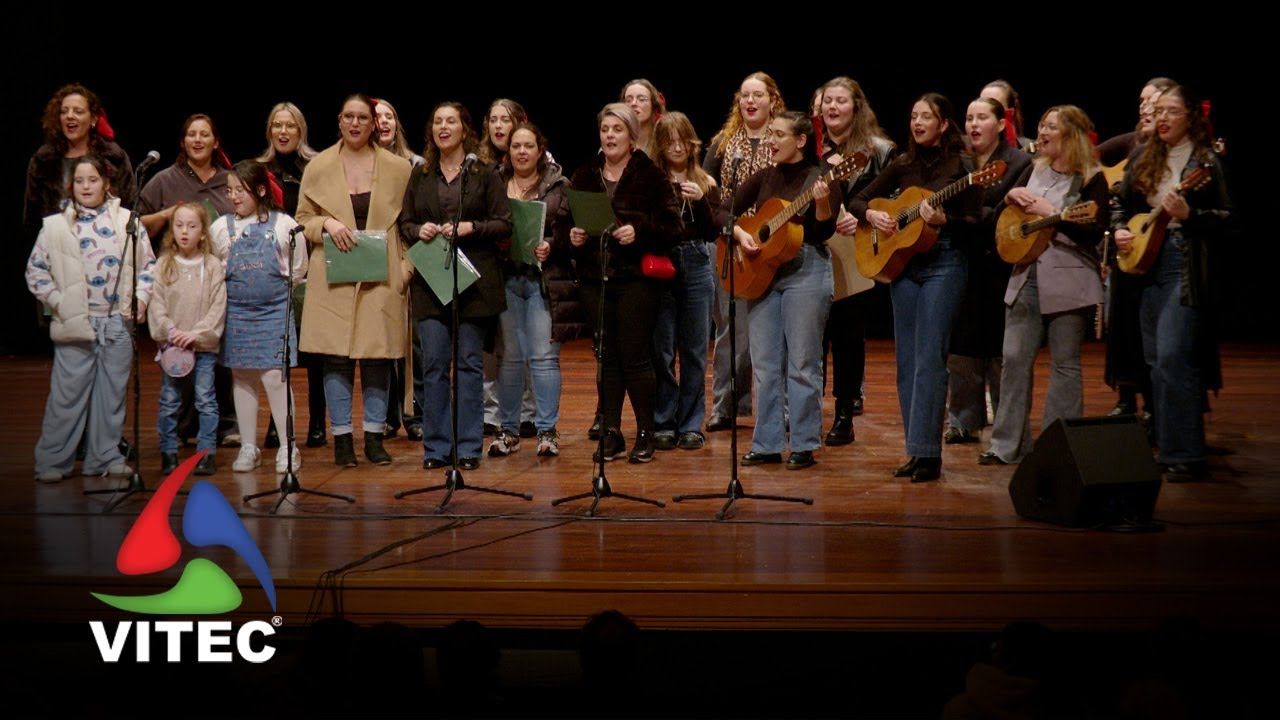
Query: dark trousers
{"points": [[630, 313]]}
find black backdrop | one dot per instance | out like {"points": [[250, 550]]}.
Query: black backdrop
{"points": [[563, 73]]}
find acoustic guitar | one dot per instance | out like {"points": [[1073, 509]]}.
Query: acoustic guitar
{"points": [[1149, 228], [779, 239], [883, 257], [1022, 236]]}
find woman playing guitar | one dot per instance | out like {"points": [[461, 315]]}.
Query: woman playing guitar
{"points": [[851, 127], [927, 293], [1175, 300], [1052, 295], [796, 301]]}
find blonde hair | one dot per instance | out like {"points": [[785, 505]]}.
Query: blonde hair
{"points": [[305, 151], [1077, 150], [166, 268]]}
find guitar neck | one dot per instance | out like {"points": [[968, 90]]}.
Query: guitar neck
{"points": [[798, 205], [1042, 223], [943, 195]]}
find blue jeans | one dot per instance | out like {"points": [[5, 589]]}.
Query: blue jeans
{"points": [[786, 327], [925, 299], [1169, 331], [206, 402], [526, 337], [437, 412], [339, 377], [684, 326]]}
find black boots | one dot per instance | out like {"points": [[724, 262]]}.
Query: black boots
{"points": [[344, 451], [842, 429], [373, 449]]}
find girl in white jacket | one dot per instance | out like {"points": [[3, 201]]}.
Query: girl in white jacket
{"points": [[82, 271]]}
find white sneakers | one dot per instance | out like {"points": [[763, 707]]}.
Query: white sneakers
{"points": [[282, 464], [248, 459]]}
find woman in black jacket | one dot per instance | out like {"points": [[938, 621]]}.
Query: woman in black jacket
{"points": [[1176, 297], [430, 208], [647, 217], [977, 340], [927, 293]]}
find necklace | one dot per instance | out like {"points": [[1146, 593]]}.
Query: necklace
{"points": [[524, 189]]}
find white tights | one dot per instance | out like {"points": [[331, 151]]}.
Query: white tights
{"points": [[244, 394]]}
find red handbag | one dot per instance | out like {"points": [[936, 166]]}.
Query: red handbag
{"points": [[658, 267]]}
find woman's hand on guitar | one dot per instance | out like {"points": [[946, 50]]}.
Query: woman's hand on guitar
{"points": [[1021, 197], [1124, 241], [1030, 202], [744, 239], [882, 221], [1176, 205], [578, 237], [931, 215]]}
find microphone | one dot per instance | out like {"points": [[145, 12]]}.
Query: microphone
{"points": [[152, 158], [737, 161], [468, 162]]}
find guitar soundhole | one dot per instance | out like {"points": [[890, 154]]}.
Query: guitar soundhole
{"points": [[764, 234]]}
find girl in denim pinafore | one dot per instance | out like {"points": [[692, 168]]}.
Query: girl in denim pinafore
{"points": [[255, 239]]}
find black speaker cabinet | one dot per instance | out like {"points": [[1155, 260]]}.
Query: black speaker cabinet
{"points": [[1086, 472]]}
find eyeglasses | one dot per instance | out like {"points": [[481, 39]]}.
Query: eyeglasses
{"points": [[237, 191], [278, 126], [1169, 113], [352, 118]]}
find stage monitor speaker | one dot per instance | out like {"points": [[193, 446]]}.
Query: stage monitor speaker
{"points": [[1088, 472]]}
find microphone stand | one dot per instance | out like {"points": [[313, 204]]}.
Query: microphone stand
{"points": [[453, 480], [135, 484], [734, 491], [289, 484], [600, 487]]}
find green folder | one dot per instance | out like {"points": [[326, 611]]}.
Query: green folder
{"points": [[366, 262], [430, 257], [528, 225], [591, 211]]}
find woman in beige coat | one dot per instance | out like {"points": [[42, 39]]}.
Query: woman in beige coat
{"points": [[352, 187]]}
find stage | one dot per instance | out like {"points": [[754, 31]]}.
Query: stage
{"points": [[872, 553]]}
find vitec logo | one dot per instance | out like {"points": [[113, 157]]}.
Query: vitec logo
{"points": [[208, 520]]}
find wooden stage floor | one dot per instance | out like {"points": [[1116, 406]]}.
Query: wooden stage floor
{"points": [[872, 552]]}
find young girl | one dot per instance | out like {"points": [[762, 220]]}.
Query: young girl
{"points": [[254, 242], [79, 269], [188, 309]]}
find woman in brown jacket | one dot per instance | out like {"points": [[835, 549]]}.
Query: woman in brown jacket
{"points": [[355, 186]]}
